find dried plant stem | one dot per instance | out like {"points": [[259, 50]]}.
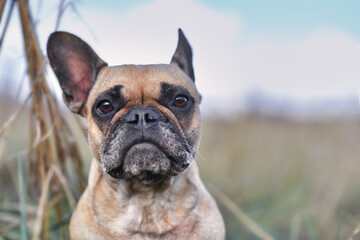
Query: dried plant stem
{"points": [[54, 113], [30, 209], [74, 153], [13, 117], [35, 59], [61, 10], [81, 125], [355, 232], [23, 228], [9, 218], [66, 187], [2, 6], [44, 106], [245, 219], [64, 135], [41, 209], [3, 141], [5, 229], [52, 141]]}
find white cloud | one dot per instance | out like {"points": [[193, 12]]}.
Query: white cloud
{"points": [[228, 64], [317, 65], [322, 64]]}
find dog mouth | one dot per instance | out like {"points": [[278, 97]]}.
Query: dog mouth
{"points": [[147, 163], [145, 150]]}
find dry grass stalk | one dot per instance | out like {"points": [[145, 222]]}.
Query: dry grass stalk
{"points": [[9, 227], [22, 190], [240, 215], [3, 141], [2, 6], [61, 133], [51, 138], [35, 68], [41, 209], [355, 232], [9, 218], [30, 209], [7, 21], [13, 117], [66, 187], [42, 155]]}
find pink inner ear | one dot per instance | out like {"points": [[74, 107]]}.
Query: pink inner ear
{"points": [[82, 78]]}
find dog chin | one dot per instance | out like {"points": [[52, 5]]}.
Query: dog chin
{"points": [[147, 164]]}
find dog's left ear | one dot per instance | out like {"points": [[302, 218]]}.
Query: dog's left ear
{"points": [[183, 56], [76, 66]]}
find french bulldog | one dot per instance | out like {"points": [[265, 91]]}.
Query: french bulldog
{"points": [[143, 130]]}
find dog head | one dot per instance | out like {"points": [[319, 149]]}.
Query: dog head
{"points": [[143, 120]]}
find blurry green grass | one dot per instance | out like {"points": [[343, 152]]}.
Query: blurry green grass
{"points": [[295, 179], [289, 176]]}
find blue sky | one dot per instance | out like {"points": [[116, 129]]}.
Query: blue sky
{"points": [[305, 14], [288, 15], [302, 51]]}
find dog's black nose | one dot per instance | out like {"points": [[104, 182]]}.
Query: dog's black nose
{"points": [[142, 117]]}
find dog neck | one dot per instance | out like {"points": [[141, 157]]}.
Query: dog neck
{"points": [[132, 187], [137, 209]]}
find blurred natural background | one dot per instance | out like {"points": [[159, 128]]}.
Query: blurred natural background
{"points": [[280, 81]]}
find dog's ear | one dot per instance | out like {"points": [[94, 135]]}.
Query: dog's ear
{"points": [[183, 56], [75, 65]]}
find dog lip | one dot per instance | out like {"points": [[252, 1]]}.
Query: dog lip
{"points": [[176, 167], [144, 141], [151, 175], [141, 141]]}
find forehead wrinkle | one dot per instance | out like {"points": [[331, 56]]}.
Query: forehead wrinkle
{"points": [[171, 116], [116, 117], [143, 78], [166, 112]]}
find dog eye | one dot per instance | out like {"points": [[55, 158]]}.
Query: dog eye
{"points": [[180, 101], [105, 107]]}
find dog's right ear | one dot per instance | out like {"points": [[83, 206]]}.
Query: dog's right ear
{"points": [[183, 56], [75, 65]]}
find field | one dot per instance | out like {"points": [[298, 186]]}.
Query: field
{"points": [[295, 179]]}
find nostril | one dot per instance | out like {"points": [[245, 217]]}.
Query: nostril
{"points": [[150, 117], [134, 119], [184, 165], [142, 117]]}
